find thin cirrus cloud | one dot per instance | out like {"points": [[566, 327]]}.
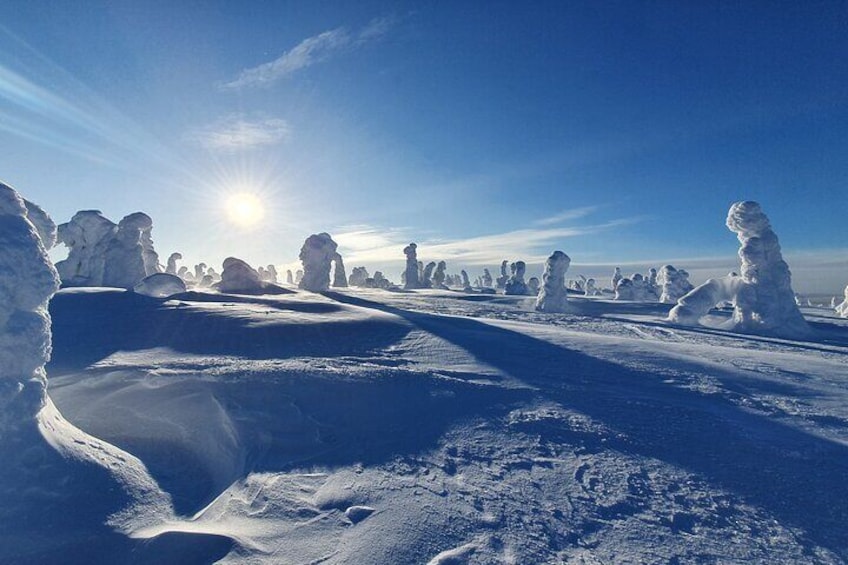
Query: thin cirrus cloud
{"points": [[236, 133], [308, 52], [367, 244]]}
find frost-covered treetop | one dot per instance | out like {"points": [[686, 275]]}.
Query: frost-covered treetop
{"points": [[27, 281], [747, 220]]}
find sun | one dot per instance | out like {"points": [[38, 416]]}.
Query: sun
{"points": [[244, 209]]}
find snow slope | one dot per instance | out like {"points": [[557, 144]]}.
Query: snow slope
{"points": [[432, 426]]}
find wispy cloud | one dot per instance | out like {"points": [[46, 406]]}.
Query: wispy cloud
{"points": [[237, 132], [372, 245], [310, 51], [567, 215]]}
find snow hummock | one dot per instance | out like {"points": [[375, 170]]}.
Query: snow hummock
{"points": [[239, 277], [762, 297], [411, 279], [553, 296], [317, 255], [160, 285]]}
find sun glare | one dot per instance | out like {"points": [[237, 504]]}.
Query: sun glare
{"points": [[244, 209]]}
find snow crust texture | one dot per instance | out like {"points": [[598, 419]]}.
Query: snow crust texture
{"points": [[160, 285], [553, 296]]}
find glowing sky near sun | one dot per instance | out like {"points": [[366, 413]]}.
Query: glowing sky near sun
{"points": [[617, 133]]}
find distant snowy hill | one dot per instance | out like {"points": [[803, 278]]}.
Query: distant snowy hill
{"points": [[376, 427]]}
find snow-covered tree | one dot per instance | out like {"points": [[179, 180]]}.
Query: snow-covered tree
{"points": [[673, 283], [411, 279], [27, 282], [439, 275], [339, 275], [842, 308], [428, 273], [171, 267], [515, 285], [358, 276], [127, 258], [553, 296], [762, 297], [486, 279], [500, 282], [86, 236], [616, 277], [316, 255]]}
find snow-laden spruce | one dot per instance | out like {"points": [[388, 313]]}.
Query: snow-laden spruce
{"points": [[673, 283], [129, 256], [411, 279], [439, 275], [358, 276], [27, 281], [86, 236], [317, 255], [171, 267], [762, 297], [339, 274], [553, 297], [616, 278], [515, 285], [102, 253]]}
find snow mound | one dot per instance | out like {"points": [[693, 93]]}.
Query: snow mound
{"points": [[86, 236], [160, 285]]}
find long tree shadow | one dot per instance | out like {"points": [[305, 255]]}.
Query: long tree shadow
{"points": [[88, 327], [796, 476]]}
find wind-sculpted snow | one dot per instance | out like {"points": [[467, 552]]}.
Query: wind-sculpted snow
{"points": [[553, 296], [762, 297], [160, 285], [400, 427], [317, 255], [439, 275], [44, 224], [358, 276], [59, 486]]}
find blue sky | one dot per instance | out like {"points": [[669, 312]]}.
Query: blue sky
{"points": [[619, 132]]}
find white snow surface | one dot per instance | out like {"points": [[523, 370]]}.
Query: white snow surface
{"points": [[431, 426]]}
